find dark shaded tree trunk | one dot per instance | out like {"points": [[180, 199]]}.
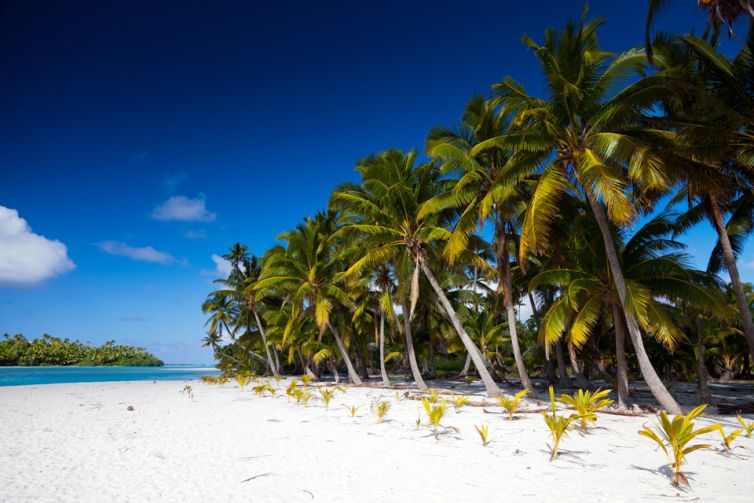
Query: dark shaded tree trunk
{"points": [[581, 380], [476, 356], [735, 278], [655, 384], [703, 396], [564, 380]]}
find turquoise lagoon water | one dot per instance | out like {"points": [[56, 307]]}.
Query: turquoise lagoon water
{"points": [[20, 376]]}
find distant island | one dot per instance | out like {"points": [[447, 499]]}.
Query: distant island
{"points": [[17, 350]]}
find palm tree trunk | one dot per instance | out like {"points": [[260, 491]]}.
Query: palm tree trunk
{"points": [[504, 280], [410, 347], [476, 356], [352, 375], [264, 341], [704, 394], [581, 380], [620, 357], [735, 277], [383, 372], [549, 366], [564, 380], [466, 365], [658, 389]]}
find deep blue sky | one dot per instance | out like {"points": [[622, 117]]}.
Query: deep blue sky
{"points": [[255, 110]]}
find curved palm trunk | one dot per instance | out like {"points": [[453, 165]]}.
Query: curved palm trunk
{"points": [[658, 389], [383, 372], [504, 279], [620, 357], [352, 375], [270, 363], [735, 277], [476, 356], [466, 365], [410, 347]]}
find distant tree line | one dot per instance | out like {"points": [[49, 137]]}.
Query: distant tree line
{"points": [[48, 350]]}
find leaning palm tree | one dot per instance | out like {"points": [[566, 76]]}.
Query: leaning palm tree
{"points": [[307, 269], [486, 186], [387, 209], [599, 147]]}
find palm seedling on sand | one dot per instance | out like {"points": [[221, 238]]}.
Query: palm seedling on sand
{"points": [[728, 439], [327, 395], [512, 403], [188, 390], [380, 408], [483, 431], [459, 401], [434, 413], [306, 379], [557, 424], [748, 426], [261, 388], [673, 437], [433, 395], [586, 405], [352, 409]]}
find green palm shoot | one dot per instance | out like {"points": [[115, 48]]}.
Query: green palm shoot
{"points": [[748, 426], [557, 424], [353, 409], [433, 395], [483, 431], [327, 395], [434, 413], [262, 388], [306, 379], [586, 405], [512, 403], [674, 436], [291, 387], [728, 439], [459, 401], [380, 408]]}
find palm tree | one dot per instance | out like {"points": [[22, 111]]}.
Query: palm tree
{"points": [[308, 269], [486, 187], [386, 209], [658, 277], [714, 118], [599, 147]]}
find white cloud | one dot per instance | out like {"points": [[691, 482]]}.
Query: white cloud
{"points": [[25, 257], [183, 209], [142, 254], [222, 266], [196, 234]]}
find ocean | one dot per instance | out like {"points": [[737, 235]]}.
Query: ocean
{"points": [[20, 376]]}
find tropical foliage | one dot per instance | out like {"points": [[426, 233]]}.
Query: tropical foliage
{"points": [[574, 200], [48, 350]]}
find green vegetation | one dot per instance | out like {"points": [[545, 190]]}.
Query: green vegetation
{"points": [[586, 190], [483, 431], [557, 424], [512, 403], [586, 405], [48, 350], [673, 437]]}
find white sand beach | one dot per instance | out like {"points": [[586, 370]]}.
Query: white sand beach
{"points": [[78, 442]]}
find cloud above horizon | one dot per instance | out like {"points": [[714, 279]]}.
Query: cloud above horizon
{"points": [[183, 209], [222, 266], [142, 254], [25, 257]]}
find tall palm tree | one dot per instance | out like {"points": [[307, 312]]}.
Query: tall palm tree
{"points": [[307, 269], [387, 209], [599, 146], [485, 187], [714, 119]]}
